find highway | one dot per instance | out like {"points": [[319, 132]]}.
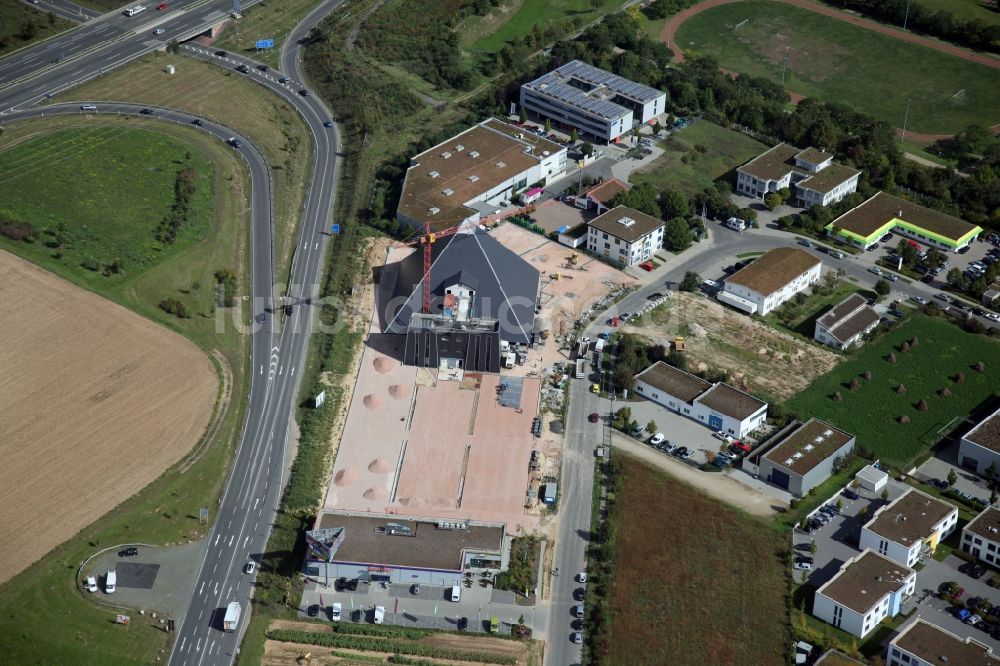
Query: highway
{"points": [[64, 9]]}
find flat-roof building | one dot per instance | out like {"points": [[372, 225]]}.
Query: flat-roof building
{"points": [[909, 528], [717, 406], [981, 536], [465, 178], [921, 643], [980, 447], [592, 101], [811, 174], [624, 236], [847, 323], [770, 280], [389, 548], [804, 457], [868, 589], [865, 224]]}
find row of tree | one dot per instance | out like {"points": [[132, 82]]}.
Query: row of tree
{"points": [[185, 188]]}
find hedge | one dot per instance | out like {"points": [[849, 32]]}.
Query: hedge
{"points": [[385, 645]]}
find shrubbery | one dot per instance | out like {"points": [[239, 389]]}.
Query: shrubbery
{"points": [[384, 645]]}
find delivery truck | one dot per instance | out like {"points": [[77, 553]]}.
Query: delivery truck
{"points": [[232, 619], [581, 368]]}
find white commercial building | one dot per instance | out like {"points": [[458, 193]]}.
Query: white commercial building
{"points": [[868, 589], [981, 536], [718, 406], [909, 528], [770, 280], [847, 323], [921, 643], [980, 447], [592, 101], [804, 456], [810, 174], [624, 236], [467, 177]]}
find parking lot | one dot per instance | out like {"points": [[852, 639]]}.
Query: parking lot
{"points": [[430, 607], [945, 461]]}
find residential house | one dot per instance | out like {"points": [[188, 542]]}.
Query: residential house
{"points": [[847, 323], [868, 589], [810, 174], [599, 196], [981, 536], [718, 406], [921, 643], [624, 236], [770, 280], [980, 447], [909, 528]]}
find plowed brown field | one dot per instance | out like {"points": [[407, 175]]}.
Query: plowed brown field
{"points": [[95, 403]]}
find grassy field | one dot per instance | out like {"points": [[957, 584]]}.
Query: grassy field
{"points": [[265, 20], [515, 19], [15, 16], [674, 546], [165, 512], [683, 167], [836, 61], [801, 319], [965, 10], [872, 411], [273, 126]]}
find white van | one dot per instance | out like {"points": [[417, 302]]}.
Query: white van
{"points": [[456, 593], [88, 107], [111, 582]]}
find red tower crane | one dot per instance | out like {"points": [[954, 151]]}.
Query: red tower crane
{"points": [[427, 239]]}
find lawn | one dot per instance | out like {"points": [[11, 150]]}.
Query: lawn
{"points": [[872, 411], [800, 318], [516, 18], [836, 61], [22, 24], [675, 545], [683, 166], [265, 20], [235, 101], [44, 596]]}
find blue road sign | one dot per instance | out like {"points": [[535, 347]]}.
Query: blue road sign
{"points": [[334, 228], [265, 43]]}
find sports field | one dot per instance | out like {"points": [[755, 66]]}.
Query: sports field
{"points": [[683, 166], [836, 61], [872, 411], [95, 403], [515, 18], [695, 582]]}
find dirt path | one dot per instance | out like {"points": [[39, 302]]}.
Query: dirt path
{"points": [[717, 485], [668, 35]]}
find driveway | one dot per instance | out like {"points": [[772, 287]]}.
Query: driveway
{"points": [[946, 460]]}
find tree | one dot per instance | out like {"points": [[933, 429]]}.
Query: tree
{"points": [[522, 115], [677, 235], [907, 252], [673, 203], [587, 149], [772, 200], [574, 136], [651, 426], [548, 125], [691, 281], [883, 288], [957, 280], [952, 477], [885, 494]]}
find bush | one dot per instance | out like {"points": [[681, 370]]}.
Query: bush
{"points": [[901, 389], [16, 230], [960, 378], [922, 405], [175, 307], [945, 392], [350, 642]]}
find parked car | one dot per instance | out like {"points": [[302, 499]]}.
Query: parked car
{"points": [[805, 242], [876, 270], [463, 623], [335, 611], [891, 277], [581, 577], [658, 438], [415, 589], [357, 615], [578, 610], [850, 494], [686, 453], [739, 447], [637, 432], [963, 614], [803, 546], [91, 584], [802, 565], [680, 452], [577, 637], [313, 610], [972, 603], [579, 593], [973, 620], [919, 299], [131, 551]]}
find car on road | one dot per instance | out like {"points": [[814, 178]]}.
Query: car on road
{"points": [[263, 68], [328, 123], [658, 438], [891, 277], [221, 54], [943, 297], [594, 417], [335, 611], [805, 242], [250, 567], [919, 299], [304, 92], [242, 69], [655, 295], [197, 122], [415, 589], [159, 31], [131, 551], [578, 610], [146, 112], [577, 637], [288, 310], [875, 270], [260, 318], [162, 6], [313, 610], [579, 593], [581, 577]]}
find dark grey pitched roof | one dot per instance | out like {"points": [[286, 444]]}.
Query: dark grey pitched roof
{"points": [[506, 290]]}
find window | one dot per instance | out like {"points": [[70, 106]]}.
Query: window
{"points": [[978, 541]]}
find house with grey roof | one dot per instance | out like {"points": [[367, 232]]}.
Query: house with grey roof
{"points": [[624, 236], [718, 406], [803, 455], [921, 643], [868, 589], [981, 536], [591, 100], [847, 323], [810, 174], [980, 447], [909, 528]]}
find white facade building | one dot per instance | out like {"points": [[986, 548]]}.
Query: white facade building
{"points": [[980, 447], [717, 406], [624, 236], [592, 100], [467, 177], [770, 280], [810, 174], [847, 323], [981, 536], [909, 528], [921, 643], [868, 589]]}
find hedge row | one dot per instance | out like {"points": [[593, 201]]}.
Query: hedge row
{"points": [[385, 645], [379, 630]]}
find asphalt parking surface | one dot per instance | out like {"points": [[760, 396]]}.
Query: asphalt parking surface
{"points": [[137, 575]]}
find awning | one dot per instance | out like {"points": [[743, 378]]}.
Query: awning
{"points": [[737, 302]]}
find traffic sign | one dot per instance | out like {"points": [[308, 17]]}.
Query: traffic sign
{"points": [[265, 43], [334, 228]]}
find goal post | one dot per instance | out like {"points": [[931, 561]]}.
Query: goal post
{"points": [[742, 24]]}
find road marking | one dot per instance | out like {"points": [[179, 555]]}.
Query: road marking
{"points": [[261, 369], [231, 540], [293, 370], [230, 523], [211, 647], [280, 370], [216, 589], [198, 647], [256, 502], [200, 614], [215, 567], [200, 591], [185, 640], [246, 540], [317, 246], [217, 537], [305, 245]]}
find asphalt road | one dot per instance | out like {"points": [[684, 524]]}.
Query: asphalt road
{"points": [[99, 45], [64, 9]]}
